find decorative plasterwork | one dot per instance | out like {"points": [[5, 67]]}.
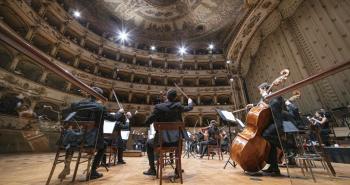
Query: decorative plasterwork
{"points": [[262, 21]]}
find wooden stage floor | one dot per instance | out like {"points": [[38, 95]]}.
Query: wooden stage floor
{"points": [[33, 169]]}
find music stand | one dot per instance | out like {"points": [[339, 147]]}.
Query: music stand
{"points": [[229, 119]]}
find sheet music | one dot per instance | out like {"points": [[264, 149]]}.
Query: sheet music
{"points": [[151, 131], [125, 135], [108, 126], [229, 116]]}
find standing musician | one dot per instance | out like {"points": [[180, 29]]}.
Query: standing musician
{"points": [[270, 133], [213, 133], [169, 111], [122, 123], [320, 121]]}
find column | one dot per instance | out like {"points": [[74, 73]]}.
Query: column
{"points": [[96, 68], [110, 95], [132, 77], [181, 80], [14, 62], [196, 65], [68, 86], [211, 64], [100, 50], [149, 79], [200, 119], [213, 81], [76, 61], [166, 80], [150, 62], [197, 81], [30, 34], [241, 85], [166, 63], [198, 99], [215, 99], [82, 40], [134, 59], [218, 119], [181, 64], [115, 73], [182, 99], [43, 77], [148, 98], [33, 103], [130, 97], [54, 49]]}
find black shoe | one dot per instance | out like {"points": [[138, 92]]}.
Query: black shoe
{"points": [[150, 172], [273, 173], [95, 175], [121, 162]]}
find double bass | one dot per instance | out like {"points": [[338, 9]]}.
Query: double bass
{"points": [[249, 149]]}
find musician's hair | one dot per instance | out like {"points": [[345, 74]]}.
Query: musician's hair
{"points": [[264, 86], [171, 94]]}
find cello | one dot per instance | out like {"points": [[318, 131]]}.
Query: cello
{"points": [[249, 149]]}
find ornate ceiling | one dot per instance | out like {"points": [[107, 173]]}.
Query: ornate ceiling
{"points": [[167, 21]]}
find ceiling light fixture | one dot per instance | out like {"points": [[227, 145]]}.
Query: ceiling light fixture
{"points": [[228, 62], [76, 13], [211, 46], [123, 36], [153, 48], [182, 50]]}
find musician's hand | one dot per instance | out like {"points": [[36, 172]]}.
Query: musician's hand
{"points": [[121, 110], [249, 106], [189, 101]]}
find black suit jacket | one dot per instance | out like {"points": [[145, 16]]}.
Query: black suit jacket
{"points": [[168, 112]]}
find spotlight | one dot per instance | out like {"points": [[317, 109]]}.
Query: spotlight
{"points": [[231, 80], [76, 14], [211, 46], [182, 50], [123, 36], [153, 48], [228, 62]]}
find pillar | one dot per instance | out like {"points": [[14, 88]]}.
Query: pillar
{"points": [[30, 34], [166, 80], [132, 77], [54, 49], [196, 65], [148, 98], [198, 99], [82, 41], [150, 62], [166, 63], [215, 99], [43, 77], [134, 59], [68, 86], [197, 81], [130, 97], [149, 79], [117, 56], [96, 68], [76, 61], [14, 62]]}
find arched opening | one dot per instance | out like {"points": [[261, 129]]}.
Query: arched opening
{"points": [[105, 72], [139, 98], [191, 82], [86, 66], [207, 100], [42, 43], [5, 58], [191, 120], [65, 57], [13, 21], [29, 70], [221, 81], [122, 96], [55, 81], [205, 82], [224, 99]]}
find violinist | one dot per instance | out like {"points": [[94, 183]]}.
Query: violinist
{"points": [[320, 121], [213, 133], [122, 123]]}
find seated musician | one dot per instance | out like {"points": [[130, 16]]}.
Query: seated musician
{"points": [[98, 116], [213, 133], [225, 141], [169, 111]]}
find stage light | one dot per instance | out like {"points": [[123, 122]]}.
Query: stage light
{"points": [[182, 50], [153, 48], [123, 36], [231, 80], [228, 62], [211, 46], [76, 13]]}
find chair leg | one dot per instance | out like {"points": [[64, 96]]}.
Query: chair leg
{"points": [[158, 166], [180, 170], [88, 168], [310, 167], [161, 169], [208, 151], [300, 161], [53, 167], [76, 166]]}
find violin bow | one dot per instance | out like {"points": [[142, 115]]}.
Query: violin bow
{"points": [[116, 98]]}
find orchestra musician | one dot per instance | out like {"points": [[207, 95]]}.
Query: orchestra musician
{"points": [[97, 113], [169, 111], [271, 131], [122, 123], [212, 133], [320, 121]]}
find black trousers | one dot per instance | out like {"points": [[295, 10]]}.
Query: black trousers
{"points": [[150, 145], [97, 159], [203, 146]]}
